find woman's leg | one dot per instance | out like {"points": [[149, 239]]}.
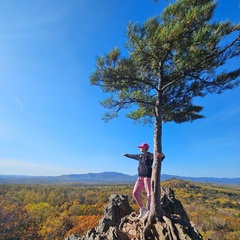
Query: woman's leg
{"points": [[137, 191], [147, 186]]}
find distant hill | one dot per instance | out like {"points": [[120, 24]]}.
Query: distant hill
{"points": [[103, 178], [203, 179]]}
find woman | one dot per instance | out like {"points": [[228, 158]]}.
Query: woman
{"points": [[144, 176]]}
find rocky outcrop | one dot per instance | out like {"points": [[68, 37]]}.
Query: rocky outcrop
{"points": [[120, 222]]}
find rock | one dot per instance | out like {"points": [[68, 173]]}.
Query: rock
{"points": [[72, 237], [117, 208], [121, 223]]}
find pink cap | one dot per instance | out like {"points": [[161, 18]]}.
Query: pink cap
{"points": [[144, 145]]}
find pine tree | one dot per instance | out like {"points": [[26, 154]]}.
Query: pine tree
{"points": [[173, 58]]}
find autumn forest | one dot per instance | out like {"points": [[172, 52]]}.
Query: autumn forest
{"points": [[30, 212]]}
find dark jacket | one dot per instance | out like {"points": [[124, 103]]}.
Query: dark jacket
{"points": [[145, 163]]}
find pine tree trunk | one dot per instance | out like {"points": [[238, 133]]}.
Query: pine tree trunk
{"points": [[155, 209]]}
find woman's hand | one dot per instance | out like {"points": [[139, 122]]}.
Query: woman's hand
{"points": [[160, 155]]}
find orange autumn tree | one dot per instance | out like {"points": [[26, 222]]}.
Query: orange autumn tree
{"points": [[83, 224]]}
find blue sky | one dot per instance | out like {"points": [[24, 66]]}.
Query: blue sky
{"points": [[50, 116]]}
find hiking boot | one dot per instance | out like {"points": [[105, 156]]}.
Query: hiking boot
{"points": [[143, 211], [146, 214]]}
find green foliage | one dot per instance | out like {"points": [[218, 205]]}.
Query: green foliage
{"points": [[172, 58]]}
